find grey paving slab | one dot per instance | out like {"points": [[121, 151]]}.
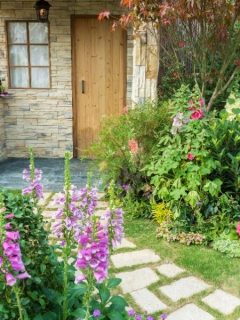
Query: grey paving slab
{"points": [[148, 301], [190, 312], [129, 259], [184, 288], [222, 301], [53, 173], [170, 270], [126, 244], [137, 279]]}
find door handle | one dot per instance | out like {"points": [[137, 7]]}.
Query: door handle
{"points": [[83, 86]]}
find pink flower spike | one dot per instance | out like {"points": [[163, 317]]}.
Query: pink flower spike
{"points": [[10, 280], [8, 226], [238, 228], [197, 114], [12, 235], [190, 157]]}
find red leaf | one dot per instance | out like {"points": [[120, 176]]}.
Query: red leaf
{"points": [[103, 15]]}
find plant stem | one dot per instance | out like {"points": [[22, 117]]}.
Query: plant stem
{"points": [[65, 285], [20, 310]]}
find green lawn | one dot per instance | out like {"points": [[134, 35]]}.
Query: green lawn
{"points": [[214, 267]]}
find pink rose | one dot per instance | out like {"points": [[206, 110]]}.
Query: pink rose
{"points": [[238, 228], [197, 114], [190, 157], [133, 146]]}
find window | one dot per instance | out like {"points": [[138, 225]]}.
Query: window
{"points": [[28, 53]]}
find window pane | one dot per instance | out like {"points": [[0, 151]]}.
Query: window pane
{"points": [[39, 55], [19, 78], [17, 32], [40, 77], [38, 32], [18, 55]]}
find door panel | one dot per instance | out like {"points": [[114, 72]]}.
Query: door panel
{"points": [[98, 77]]}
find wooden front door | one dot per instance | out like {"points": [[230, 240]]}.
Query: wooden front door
{"points": [[98, 77]]}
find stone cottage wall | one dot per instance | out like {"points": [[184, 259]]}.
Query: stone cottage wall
{"points": [[2, 133], [43, 118]]}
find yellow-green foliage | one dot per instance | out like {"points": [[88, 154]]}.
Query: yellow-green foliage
{"points": [[161, 213]]}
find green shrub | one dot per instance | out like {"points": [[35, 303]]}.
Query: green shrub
{"points": [[143, 125], [39, 259], [195, 169]]}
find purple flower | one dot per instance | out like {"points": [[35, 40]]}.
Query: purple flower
{"points": [[131, 313], [12, 235], [10, 280], [93, 251], [115, 225], [150, 318], [126, 187], [138, 317], [164, 316], [96, 313]]}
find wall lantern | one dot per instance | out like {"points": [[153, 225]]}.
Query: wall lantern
{"points": [[42, 9]]}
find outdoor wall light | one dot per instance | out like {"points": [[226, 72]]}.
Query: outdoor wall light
{"points": [[42, 10]]}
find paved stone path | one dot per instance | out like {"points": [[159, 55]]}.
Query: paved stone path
{"points": [[154, 286]]}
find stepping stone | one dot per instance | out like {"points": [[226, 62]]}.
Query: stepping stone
{"points": [[190, 312], [46, 195], [170, 270], [221, 301], [126, 244], [147, 301], [129, 259], [137, 279], [184, 288]]}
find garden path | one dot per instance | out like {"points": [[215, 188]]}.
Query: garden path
{"points": [[155, 286]]}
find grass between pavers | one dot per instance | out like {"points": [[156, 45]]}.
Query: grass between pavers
{"points": [[215, 268]]}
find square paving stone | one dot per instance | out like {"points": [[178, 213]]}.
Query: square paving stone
{"points": [[170, 270], [223, 302], [126, 244], [148, 301], [184, 288], [137, 279], [129, 259], [190, 312]]}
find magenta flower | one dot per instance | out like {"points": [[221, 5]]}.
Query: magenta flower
{"points": [[131, 313], [12, 235], [10, 280], [96, 313], [197, 114], [115, 225], [190, 156]]}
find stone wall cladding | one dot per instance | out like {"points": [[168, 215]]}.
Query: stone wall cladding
{"points": [[2, 133], [43, 118]]}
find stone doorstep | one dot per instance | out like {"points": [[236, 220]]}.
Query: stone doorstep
{"points": [[221, 301], [129, 259], [148, 301], [137, 279], [190, 312], [184, 288], [170, 270]]}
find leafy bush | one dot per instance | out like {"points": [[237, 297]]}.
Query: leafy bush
{"points": [[227, 246], [39, 259], [123, 148], [195, 166]]}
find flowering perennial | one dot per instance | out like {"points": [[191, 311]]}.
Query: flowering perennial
{"points": [[115, 225], [11, 264], [93, 252], [35, 187]]}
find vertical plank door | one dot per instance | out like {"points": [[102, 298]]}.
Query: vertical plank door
{"points": [[98, 77]]}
